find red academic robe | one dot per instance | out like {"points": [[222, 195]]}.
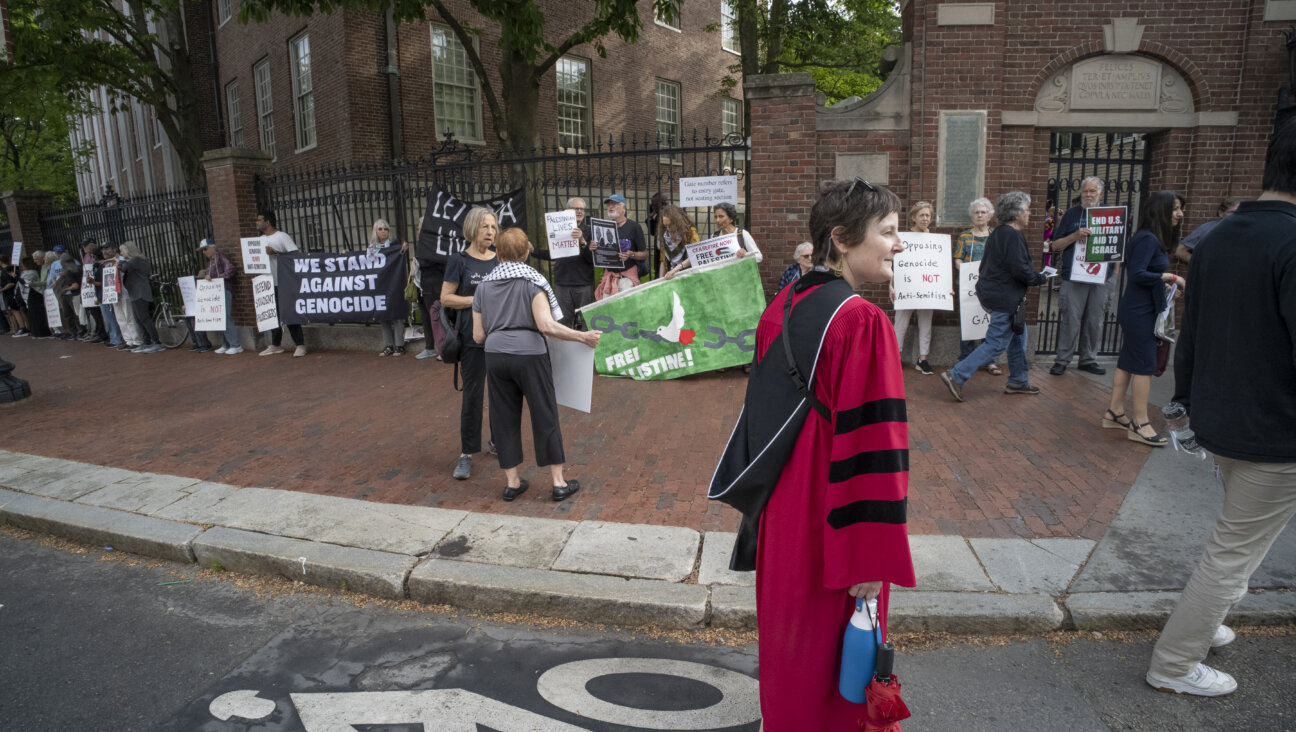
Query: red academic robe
{"points": [[835, 520]]}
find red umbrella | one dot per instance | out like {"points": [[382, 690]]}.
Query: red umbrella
{"points": [[885, 708]]}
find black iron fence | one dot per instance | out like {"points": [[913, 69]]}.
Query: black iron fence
{"points": [[165, 226], [333, 208]]}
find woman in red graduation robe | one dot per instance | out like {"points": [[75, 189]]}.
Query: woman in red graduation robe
{"points": [[825, 413]]}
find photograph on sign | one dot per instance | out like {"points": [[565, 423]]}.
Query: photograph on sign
{"points": [[1107, 227], [110, 292], [923, 273], [559, 226], [607, 252], [255, 259], [708, 191], [973, 319], [718, 249], [1085, 271], [263, 297], [210, 301], [187, 288]]}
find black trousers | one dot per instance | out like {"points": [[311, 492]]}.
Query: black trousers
{"points": [[276, 335], [472, 369], [512, 379], [101, 330], [144, 318]]}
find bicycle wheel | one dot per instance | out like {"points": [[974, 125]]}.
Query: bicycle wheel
{"points": [[171, 332]]}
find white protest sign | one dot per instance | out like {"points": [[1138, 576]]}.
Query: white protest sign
{"points": [[52, 309], [110, 294], [923, 273], [88, 298], [209, 298], [255, 259], [1092, 273], [718, 249], [17, 254], [708, 191], [559, 225], [187, 289], [973, 319], [573, 373], [263, 296]]}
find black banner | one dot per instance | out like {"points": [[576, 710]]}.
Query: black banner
{"points": [[442, 232], [342, 288]]}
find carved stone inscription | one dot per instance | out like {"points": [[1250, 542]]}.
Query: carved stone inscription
{"points": [[1115, 82], [962, 164]]}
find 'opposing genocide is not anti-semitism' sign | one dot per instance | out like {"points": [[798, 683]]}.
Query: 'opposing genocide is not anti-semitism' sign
{"points": [[442, 232], [922, 273], [699, 321], [351, 287]]}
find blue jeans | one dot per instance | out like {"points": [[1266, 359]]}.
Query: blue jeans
{"points": [[110, 322], [999, 337], [231, 330], [967, 347]]}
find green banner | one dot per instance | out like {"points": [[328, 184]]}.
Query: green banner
{"points": [[699, 321]]}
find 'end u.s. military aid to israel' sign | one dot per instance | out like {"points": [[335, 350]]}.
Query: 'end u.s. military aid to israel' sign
{"points": [[1107, 226]]}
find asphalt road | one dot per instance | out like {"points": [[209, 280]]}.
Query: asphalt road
{"points": [[88, 644]]}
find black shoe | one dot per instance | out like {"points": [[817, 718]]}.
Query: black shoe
{"points": [[511, 493], [194, 347], [490, 447], [1093, 368], [1058, 369], [923, 367], [562, 492]]}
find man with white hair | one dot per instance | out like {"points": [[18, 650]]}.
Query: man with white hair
{"points": [[801, 263], [1080, 304], [573, 277]]}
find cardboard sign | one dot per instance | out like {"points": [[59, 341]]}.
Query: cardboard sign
{"points": [[559, 225], [974, 321], [88, 298], [263, 297], [607, 252], [717, 249], [573, 373], [1107, 227], [187, 292], [16, 259], [923, 273], [210, 301], [110, 286], [52, 318], [255, 259], [1094, 273], [708, 191]]}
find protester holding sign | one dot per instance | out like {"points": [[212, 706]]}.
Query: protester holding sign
{"points": [[14, 305], [573, 276], [135, 269], [219, 266], [675, 234], [969, 247], [132, 335], [35, 297], [920, 219], [725, 217], [464, 272], [67, 287], [91, 294], [1080, 303], [1145, 296], [276, 242], [633, 248], [106, 293], [513, 310], [393, 331]]}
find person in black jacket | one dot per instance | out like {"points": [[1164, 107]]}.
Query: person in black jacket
{"points": [[135, 269], [1006, 272], [1235, 372]]}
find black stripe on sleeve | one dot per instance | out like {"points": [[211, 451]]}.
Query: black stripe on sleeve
{"points": [[878, 410], [871, 461], [876, 512]]}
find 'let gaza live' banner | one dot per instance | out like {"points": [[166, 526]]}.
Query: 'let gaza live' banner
{"points": [[352, 287], [442, 232]]}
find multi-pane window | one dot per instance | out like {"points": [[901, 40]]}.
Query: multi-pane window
{"points": [[668, 116], [224, 9], [456, 103], [728, 27], [265, 108], [574, 109], [303, 92], [666, 21], [235, 109], [731, 122]]}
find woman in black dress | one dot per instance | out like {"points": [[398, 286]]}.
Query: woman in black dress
{"points": [[1146, 263]]}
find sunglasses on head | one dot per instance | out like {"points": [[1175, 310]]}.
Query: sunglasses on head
{"points": [[860, 182]]}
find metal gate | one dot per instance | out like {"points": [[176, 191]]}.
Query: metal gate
{"points": [[1120, 160]]}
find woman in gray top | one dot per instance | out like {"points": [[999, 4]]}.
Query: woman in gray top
{"points": [[513, 310]]}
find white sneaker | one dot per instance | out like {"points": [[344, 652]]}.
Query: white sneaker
{"points": [[301, 351], [1224, 635], [234, 350], [221, 349], [1203, 681], [271, 350]]}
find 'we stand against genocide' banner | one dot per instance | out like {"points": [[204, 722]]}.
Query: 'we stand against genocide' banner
{"points": [[699, 321], [352, 287]]}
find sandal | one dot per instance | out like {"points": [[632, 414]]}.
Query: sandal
{"points": [[1156, 440], [386, 351], [993, 370], [1112, 421]]}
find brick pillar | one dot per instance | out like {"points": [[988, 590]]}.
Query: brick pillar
{"points": [[24, 209], [783, 167], [230, 187]]}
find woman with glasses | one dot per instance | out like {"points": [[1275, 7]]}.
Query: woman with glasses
{"points": [[921, 215], [393, 331], [801, 263]]}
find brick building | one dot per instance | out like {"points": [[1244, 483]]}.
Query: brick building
{"points": [[987, 97], [314, 91]]}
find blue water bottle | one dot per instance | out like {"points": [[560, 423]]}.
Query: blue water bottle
{"points": [[859, 652]]}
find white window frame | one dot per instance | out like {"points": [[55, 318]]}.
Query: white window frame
{"points": [[224, 11], [587, 134], [265, 108], [480, 139], [303, 88], [234, 110], [678, 122], [729, 28], [662, 22]]}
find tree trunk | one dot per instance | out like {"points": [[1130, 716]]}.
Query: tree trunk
{"points": [[186, 132]]}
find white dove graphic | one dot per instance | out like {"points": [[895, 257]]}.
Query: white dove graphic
{"points": [[673, 330]]}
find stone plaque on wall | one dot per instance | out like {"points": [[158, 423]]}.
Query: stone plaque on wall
{"points": [[1116, 82], [872, 167], [961, 173]]}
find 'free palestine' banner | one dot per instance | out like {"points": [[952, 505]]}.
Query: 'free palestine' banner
{"points": [[702, 320], [351, 287]]}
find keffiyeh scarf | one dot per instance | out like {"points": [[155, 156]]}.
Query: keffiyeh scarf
{"points": [[519, 271]]}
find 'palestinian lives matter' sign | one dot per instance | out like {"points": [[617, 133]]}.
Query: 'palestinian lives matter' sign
{"points": [[923, 279], [442, 232], [352, 287], [1107, 226]]}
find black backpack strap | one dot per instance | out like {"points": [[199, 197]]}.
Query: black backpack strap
{"points": [[794, 372]]}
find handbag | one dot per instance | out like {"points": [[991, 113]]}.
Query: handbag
{"points": [[451, 348], [1018, 322]]}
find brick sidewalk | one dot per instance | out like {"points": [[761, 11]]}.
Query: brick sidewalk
{"points": [[353, 425]]}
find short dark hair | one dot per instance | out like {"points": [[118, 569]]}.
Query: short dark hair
{"points": [[1280, 160], [730, 210], [269, 216], [1157, 216], [1230, 202], [850, 205]]}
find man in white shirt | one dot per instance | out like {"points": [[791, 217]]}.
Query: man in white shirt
{"points": [[275, 242]]}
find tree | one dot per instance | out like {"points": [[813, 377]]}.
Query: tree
{"points": [[36, 153], [526, 53], [140, 53]]}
